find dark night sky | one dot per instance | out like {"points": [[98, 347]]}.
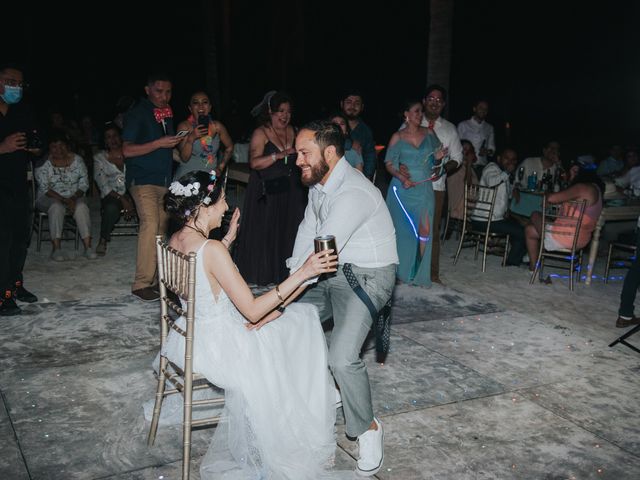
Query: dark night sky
{"points": [[567, 72]]}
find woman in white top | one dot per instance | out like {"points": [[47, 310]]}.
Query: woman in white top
{"points": [[108, 172], [62, 182]]}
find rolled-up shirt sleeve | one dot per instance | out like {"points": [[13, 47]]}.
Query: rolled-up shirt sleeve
{"points": [[346, 214]]}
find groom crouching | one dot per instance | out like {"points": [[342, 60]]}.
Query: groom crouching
{"points": [[343, 203]]}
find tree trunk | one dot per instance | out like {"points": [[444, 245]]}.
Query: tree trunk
{"points": [[440, 35], [211, 55]]}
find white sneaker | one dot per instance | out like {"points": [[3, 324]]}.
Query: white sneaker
{"points": [[90, 254], [338, 399], [371, 451]]}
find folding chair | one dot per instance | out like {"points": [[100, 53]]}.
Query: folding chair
{"points": [[177, 274], [126, 227], [616, 261], [560, 221], [623, 339], [479, 202]]}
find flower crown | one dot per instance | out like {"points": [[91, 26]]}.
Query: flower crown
{"points": [[192, 189]]}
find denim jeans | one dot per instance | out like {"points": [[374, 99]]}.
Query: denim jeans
{"points": [[630, 285]]}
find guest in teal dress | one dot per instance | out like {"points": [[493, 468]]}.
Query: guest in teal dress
{"points": [[410, 197]]}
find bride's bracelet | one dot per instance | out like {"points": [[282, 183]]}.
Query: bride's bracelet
{"points": [[278, 294]]}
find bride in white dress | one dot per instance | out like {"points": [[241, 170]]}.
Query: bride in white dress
{"points": [[279, 412]]}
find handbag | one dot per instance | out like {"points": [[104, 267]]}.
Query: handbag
{"points": [[381, 319], [275, 185]]}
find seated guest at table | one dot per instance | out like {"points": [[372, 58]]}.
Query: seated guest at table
{"points": [[498, 175], [629, 176], [548, 163], [108, 172], [613, 164], [458, 179], [62, 183], [583, 185]]}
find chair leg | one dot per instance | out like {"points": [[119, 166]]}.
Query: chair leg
{"points": [[506, 250], [484, 253], [443, 237], [578, 267], [39, 239], [158, 404], [455, 259], [608, 265], [186, 425], [571, 271]]}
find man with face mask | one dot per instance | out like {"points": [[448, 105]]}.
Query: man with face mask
{"points": [[343, 203], [16, 127]]}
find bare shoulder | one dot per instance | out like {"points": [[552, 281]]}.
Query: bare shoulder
{"points": [[395, 138], [259, 134], [215, 249], [184, 125]]}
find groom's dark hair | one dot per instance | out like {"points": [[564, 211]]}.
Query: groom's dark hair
{"points": [[327, 133]]}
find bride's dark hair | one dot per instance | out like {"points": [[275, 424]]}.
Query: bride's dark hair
{"points": [[188, 194]]}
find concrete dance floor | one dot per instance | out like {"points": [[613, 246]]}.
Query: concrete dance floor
{"points": [[488, 378]]}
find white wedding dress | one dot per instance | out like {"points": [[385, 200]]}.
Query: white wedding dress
{"points": [[279, 415]]}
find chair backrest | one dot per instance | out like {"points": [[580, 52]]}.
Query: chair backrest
{"points": [[561, 222], [479, 202], [177, 274]]}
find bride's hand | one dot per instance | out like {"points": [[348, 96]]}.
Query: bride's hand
{"points": [[324, 261], [232, 233], [270, 317]]}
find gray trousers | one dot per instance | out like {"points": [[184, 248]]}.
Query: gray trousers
{"points": [[352, 321]]}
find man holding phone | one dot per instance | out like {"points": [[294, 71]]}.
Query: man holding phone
{"points": [[15, 123], [148, 142]]}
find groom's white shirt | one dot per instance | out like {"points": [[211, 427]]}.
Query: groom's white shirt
{"points": [[349, 207]]}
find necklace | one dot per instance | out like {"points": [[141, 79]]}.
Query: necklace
{"points": [[284, 144], [196, 230]]}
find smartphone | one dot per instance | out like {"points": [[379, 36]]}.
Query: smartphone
{"points": [[182, 133], [203, 121]]}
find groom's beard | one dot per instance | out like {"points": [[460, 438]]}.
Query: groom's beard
{"points": [[317, 173]]}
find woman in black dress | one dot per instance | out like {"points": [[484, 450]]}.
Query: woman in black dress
{"points": [[275, 198]]}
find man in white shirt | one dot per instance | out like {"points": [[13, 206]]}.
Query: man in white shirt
{"points": [[479, 132], [343, 203], [434, 101], [548, 163], [498, 174]]}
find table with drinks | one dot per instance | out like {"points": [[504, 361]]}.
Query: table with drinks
{"points": [[532, 190]]}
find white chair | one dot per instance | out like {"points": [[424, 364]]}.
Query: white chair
{"points": [[177, 274]]}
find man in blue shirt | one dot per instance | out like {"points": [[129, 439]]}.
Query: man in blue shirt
{"points": [[148, 142], [352, 106]]}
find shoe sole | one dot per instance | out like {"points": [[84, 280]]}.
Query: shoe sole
{"points": [[625, 325], [146, 300], [370, 473]]}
